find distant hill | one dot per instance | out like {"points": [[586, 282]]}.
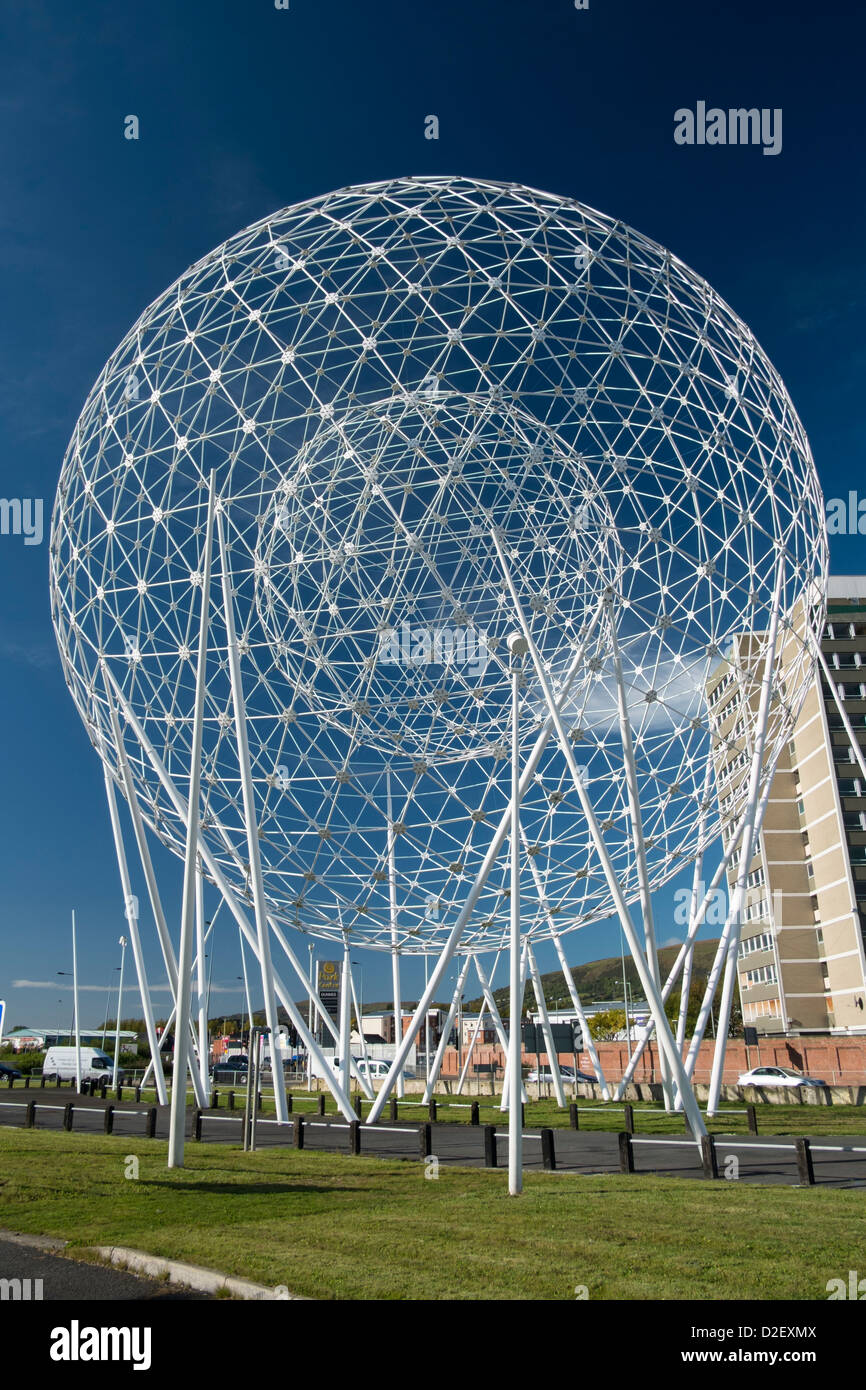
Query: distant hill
{"points": [[602, 979]]}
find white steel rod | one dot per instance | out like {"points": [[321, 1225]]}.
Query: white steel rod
{"points": [[138, 956], [252, 830], [505, 1103], [694, 927], [443, 1041], [345, 1017], [177, 1121], [75, 1007], [473, 1040], [119, 1011], [489, 1000], [749, 839], [150, 880], [219, 880], [567, 975], [312, 992], [426, 1023], [652, 994], [363, 1073], [552, 1055], [588, 1040], [203, 1039], [472, 896], [638, 842], [715, 971], [840, 705], [515, 1115], [395, 947]]}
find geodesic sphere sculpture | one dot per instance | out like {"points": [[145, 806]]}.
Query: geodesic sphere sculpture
{"points": [[379, 379]]}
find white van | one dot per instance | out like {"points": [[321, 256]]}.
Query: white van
{"points": [[60, 1062]]}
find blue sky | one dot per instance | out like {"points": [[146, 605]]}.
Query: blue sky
{"points": [[243, 109]]}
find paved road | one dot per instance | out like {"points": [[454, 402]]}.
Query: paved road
{"points": [[839, 1161], [71, 1279]]}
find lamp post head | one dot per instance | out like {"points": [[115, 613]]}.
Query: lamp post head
{"points": [[517, 645]]}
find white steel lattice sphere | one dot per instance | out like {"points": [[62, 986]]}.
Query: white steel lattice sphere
{"points": [[380, 378]]}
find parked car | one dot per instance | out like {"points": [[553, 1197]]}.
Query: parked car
{"points": [[776, 1076], [6, 1072], [235, 1069], [375, 1069], [567, 1073]]}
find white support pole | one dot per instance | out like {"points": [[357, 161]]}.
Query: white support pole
{"points": [[638, 841], [589, 1042], [840, 705], [150, 1066], [750, 836], [395, 947], [203, 1039], [686, 985], [691, 933], [472, 896], [505, 1103], [119, 1012], [346, 1017], [645, 976], [362, 1072], [166, 947], [317, 1003], [252, 830], [138, 956], [246, 986], [567, 975], [219, 880], [426, 1023], [517, 649], [465, 1069], [497, 1020], [549, 1046], [443, 1041], [694, 927], [75, 1007], [721, 949], [177, 1124]]}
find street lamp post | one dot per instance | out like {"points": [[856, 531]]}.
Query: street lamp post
{"points": [[119, 1002], [517, 647]]}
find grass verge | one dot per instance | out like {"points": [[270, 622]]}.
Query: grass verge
{"points": [[329, 1226]]}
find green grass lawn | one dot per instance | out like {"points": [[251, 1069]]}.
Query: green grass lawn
{"points": [[329, 1226]]}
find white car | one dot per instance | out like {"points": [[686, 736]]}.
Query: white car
{"points": [[776, 1076], [376, 1069]]}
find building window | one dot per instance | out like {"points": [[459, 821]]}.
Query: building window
{"points": [[763, 975]]}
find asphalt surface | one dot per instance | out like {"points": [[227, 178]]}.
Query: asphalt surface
{"points": [[839, 1161], [64, 1279]]}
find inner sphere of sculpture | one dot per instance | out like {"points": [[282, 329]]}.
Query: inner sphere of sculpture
{"points": [[382, 586], [404, 328]]}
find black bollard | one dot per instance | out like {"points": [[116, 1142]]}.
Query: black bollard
{"points": [[548, 1152], [804, 1162], [425, 1140], [626, 1153], [489, 1146]]}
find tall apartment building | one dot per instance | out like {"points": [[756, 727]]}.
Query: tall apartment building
{"points": [[802, 965]]}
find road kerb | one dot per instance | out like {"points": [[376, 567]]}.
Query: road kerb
{"points": [[191, 1276]]}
